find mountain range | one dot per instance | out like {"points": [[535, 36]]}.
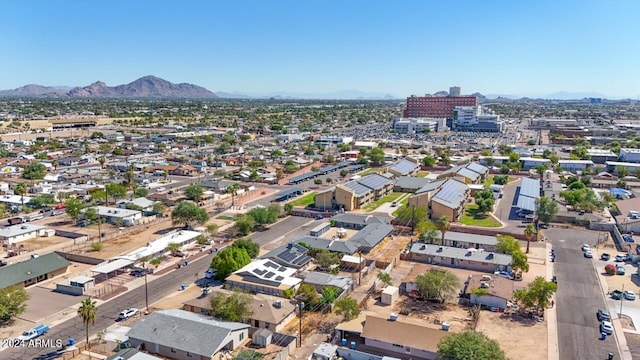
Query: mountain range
{"points": [[155, 88], [145, 87]]}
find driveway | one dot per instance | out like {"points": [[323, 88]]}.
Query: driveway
{"points": [[578, 298]]}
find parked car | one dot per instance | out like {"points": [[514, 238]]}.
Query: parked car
{"points": [[603, 315], [629, 295], [586, 247], [605, 257], [628, 238], [622, 257], [125, 314], [606, 327], [46, 210], [57, 212], [394, 204], [60, 207], [210, 274], [588, 254], [616, 294], [554, 279], [161, 189], [620, 270], [33, 333], [138, 272]]}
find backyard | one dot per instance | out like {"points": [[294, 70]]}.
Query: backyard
{"points": [[389, 198], [473, 217]]}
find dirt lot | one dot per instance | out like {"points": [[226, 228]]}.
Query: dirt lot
{"points": [[389, 248], [433, 313], [520, 338]]}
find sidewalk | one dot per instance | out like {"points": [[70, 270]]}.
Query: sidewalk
{"points": [[550, 315]]}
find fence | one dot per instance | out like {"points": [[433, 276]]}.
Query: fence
{"points": [[80, 258]]}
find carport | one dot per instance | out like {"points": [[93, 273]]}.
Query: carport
{"points": [[288, 194], [101, 272]]}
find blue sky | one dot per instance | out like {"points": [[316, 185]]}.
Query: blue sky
{"points": [[394, 47]]}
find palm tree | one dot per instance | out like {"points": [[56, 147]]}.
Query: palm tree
{"points": [[102, 160], [443, 225], [20, 189], [55, 165], [529, 231], [87, 312], [233, 190]]}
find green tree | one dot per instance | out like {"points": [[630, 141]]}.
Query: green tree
{"points": [[35, 171], [326, 259], [98, 195], [73, 207], [288, 207], [519, 261], [469, 345], [547, 209], [115, 191], [187, 212], [229, 260], [235, 307], [428, 161], [244, 224], [233, 190], [194, 192], [159, 208], [411, 215], [438, 284], [500, 179], [41, 200], [249, 246], [140, 192], [87, 312], [263, 216], [507, 244], [97, 246], [102, 160], [385, 278], [347, 307], [537, 294], [485, 200], [212, 229], [307, 294], [172, 248], [443, 225], [376, 156], [13, 302], [92, 215]]}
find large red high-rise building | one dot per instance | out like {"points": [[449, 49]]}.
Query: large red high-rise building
{"points": [[436, 106]]}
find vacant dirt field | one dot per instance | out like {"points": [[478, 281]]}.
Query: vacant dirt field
{"points": [[433, 313], [520, 338]]}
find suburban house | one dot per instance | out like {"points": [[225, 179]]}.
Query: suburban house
{"points": [[291, 255], [500, 291], [264, 276], [21, 232], [170, 334], [405, 167], [33, 271], [472, 173], [364, 240], [629, 218], [267, 313], [125, 217], [407, 339], [144, 204], [472, 259], [320, 280], [357, 221]]}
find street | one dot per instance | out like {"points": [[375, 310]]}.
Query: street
{"points": [[578, 298], [159, 287]]}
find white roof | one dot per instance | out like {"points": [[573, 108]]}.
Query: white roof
{"points": [[158, 245], [115, 212], [14, 199], [19, 229], [266, 269], [351, 259], [111, 266]]}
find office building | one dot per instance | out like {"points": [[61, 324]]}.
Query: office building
{"points": [[418, 125], [476, 118], [454, 91]]}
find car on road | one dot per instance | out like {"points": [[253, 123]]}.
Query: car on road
{"points": [[616, 294], [622, 257], [605, 257], [603, 315], [125, 314], [588, 254], [586, 247], [629, 295], [606, 327], [554, 279]]}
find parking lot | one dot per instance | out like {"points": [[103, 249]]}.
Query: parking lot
{"points": [[44, 301]]}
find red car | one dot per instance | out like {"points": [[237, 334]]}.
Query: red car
{"points": [[61, 206]]}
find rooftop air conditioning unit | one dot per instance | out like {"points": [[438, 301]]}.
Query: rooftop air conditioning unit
{"points": [[277, 304]]}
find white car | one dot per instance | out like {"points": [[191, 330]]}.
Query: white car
{"points": [[210, 274], [606, 327], [125, 314], [588, 254], [161, 189], [622, 257], [629, 295], [586, 247]]}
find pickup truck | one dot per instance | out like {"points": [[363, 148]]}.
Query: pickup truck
{"points": [[39, 330]]}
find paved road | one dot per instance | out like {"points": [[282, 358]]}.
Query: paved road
{"points": [[159, 288], [280, 229], [578, 298]]}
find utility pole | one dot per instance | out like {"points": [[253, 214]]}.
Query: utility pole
{"points": [[300, 306], [359, 267], [146, 292]]}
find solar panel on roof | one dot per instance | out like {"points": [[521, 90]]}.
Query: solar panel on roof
{"points": [[259, 271], [404, 166], [271, 264], [270, 274], [357, 188], [373, 181], [279, 278], [451, 192], [282, 268]]}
